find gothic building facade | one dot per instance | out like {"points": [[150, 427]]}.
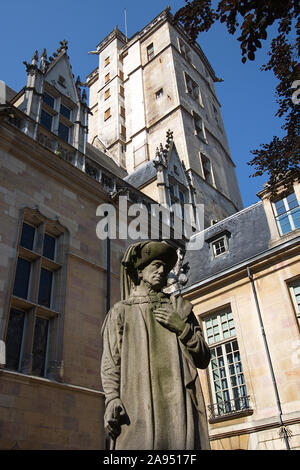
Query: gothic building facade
{"points": [[62, 157]]}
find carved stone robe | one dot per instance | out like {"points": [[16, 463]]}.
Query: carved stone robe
{"points": [[153, 372]]}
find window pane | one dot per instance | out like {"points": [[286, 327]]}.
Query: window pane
{"points": [[48, 99], [292, 201], [65, 111], [22, 278], [40, 346], [14, 338], [46, 119], [295, 214], [45, 287], [280, 207], [49, 246], [27, 236], [63, 132], [284, 224]]}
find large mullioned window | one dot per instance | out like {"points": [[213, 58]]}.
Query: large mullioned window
{"points": [[287, 213], [228, 388], [34, 308]]}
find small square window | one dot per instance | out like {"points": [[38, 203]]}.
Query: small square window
{"points": [[159, 93], [219, 246]]}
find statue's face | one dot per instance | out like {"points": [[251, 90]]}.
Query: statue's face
{"points": [[154, 274]]}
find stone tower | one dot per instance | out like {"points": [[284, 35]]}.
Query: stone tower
{"points": [[154, 81]]}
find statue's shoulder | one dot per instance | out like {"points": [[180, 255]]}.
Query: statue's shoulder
{"points": [[118, 308]]}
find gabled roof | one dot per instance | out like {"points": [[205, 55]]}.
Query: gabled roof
{"points": [[59, 66], [248, 236]]}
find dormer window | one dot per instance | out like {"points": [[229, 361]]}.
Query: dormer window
{"points": [[219, 246], [219, 243], [63, 132], [46, 119], [65, 111], [49, 100], [287, 213]]}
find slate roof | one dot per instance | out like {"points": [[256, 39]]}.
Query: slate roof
{"points": [[142, 175], [248, 236], [105, 160]]}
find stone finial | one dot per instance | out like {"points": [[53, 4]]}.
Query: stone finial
{"points": [[63, 44], [35, 58], [84, 97], [43, 62]]}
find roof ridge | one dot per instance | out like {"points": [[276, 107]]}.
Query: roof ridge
{"points": [[232, 216]]}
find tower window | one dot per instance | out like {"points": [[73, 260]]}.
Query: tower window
{"points": [[107, 94], [184, 50], [122, 112], [150, 51], [199, 128], [159, 93], [122, 91], [123, 131], [107, 61], [207, 169], [107, 77], [107, 114]]}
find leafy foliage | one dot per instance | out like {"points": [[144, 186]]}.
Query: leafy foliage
{"points": [[253, 18]]}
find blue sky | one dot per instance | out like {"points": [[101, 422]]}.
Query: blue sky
{"points": [[247, 95]]}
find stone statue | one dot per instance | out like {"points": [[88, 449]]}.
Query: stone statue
{"points": [[152, 347]]}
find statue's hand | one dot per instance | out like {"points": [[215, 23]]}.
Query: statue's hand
{"points": [[169, 317], [115, 415]]}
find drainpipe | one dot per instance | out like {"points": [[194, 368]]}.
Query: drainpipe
{"points": [[282, 427], [107, 274]]}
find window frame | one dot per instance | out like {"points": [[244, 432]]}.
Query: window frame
{"points": [[31, 306], [226, 408], [291, 286], [288, 212], [214, 250], [150, 51]]}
